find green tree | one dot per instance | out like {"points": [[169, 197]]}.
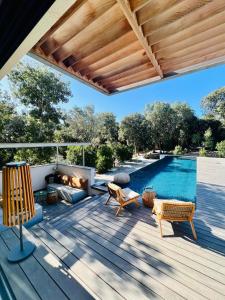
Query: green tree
{"points": [[122, 152], [220, 147], [208, 139], [40, 91], [162, 121], [75, 155], [185, 121], [80, 125], [107, 128], [135, 131], [196, 139], [104, 159], [214, 104], [12, 126]]}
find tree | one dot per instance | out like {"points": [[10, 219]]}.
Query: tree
{"points": [[220, 147], [185, 121], [75, 155], [80, 125], [104, 159], [196, 139], [40, 91], [214, 104], [208, 139], [162, 121], [107, 128], [12, 126], [135, 131]]}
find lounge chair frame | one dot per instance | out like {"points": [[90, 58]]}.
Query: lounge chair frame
{"points": [[119, 195]]}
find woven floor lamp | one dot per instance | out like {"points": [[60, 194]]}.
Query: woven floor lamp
{"points": [[18, 204]]}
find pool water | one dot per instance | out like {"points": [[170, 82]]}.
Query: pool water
{"points": [[170, 178]]}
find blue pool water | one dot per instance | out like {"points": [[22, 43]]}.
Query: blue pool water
{"points": [[171, 178]]}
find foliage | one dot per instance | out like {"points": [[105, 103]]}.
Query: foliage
{"points": [[107, 128], [162, 123], [185, 121], [196, 139], [135, 131], [40, 91], [104, 159], [178, 150], [122, 152], [75, 155], [220, 147], [208, 139], [80, 125], [202, 152], [35, 156], [214, 104]]}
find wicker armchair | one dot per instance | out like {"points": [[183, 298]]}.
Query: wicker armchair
{"points": [[123, 196], [174, 211]]}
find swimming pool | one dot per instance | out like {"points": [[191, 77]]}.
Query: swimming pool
{"points": [[170, 177]]}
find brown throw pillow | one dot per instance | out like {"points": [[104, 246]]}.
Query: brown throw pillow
{"points": [[79, 183], [65, 179]]}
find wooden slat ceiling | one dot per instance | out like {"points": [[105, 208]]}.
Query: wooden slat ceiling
{"points": [[114, 45]]}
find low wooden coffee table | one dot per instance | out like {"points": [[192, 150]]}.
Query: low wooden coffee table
{"points": [[148, 198]]}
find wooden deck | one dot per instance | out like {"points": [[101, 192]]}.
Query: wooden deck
{"points": [[84, 251]]}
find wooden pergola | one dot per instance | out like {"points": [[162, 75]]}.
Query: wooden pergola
{"points": [[115, 45]]}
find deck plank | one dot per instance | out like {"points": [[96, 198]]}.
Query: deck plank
{"points": [[19, 283], [68, 282], [161, 263], [36, 274], [94, 282]]}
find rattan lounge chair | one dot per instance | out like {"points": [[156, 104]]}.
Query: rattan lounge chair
{"points": [[174, 211], [123, 196]]}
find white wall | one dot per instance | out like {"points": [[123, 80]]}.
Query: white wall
{"points": [[79, 171], [38, 174]]}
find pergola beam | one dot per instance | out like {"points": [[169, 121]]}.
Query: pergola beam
{"points": [[131, 18]]}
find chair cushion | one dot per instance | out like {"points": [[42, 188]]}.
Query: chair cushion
{"points": [[129, 194], [68, 193], [173, 208]]}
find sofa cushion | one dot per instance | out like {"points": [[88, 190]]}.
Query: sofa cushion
{"points": [[68, 193], [79, 183], [64, 179]]}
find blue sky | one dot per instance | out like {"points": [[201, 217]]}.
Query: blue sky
{"points": [[190, 88]]}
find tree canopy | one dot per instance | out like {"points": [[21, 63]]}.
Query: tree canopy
{"points": [[214, 104]]}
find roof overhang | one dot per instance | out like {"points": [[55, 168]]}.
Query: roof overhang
{"points": [[115, 45]]}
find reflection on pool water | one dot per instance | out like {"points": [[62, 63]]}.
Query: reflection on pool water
{"points": [[171, 178]]}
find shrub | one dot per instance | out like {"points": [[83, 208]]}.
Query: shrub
{"points": [[202, 152], [104, 159], [208, 139], [75, 155], [122, 152], [220, 147], [178, 150]]}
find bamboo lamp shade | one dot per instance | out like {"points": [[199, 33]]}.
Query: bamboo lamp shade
{"points": [[18, 197]]}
